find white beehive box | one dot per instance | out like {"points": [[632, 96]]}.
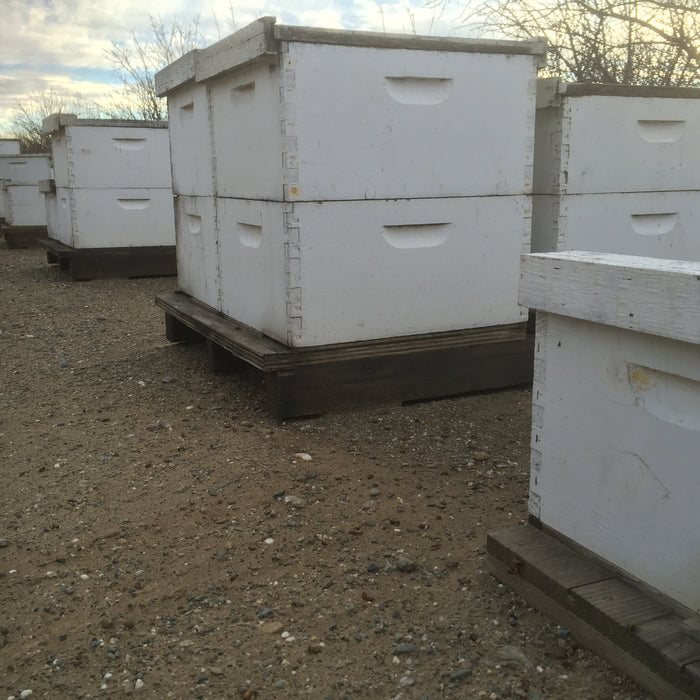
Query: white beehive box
{"points": [[400, 206], [9, 147], [424, 121], [27, 168], [617, 141], [616, 411], [112, 182], [23, 204], [108, 153]]}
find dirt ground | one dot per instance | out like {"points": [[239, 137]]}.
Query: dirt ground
{"points": [[160, 534]]}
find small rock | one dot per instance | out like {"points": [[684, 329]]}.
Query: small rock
{"points": [[404, 648], [25, 693], [128, 686], [139, 684], [460, 673], [561, 633], [265, 613], [272, 627], [295, 501], [216, 671], [374, 491], [168, 380], [481, 456], [303, 456], [315, 646], [405, 682], [512, 653], [4, 543], [405, 564]]}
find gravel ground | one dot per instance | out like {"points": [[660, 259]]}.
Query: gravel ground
{"points": [[161, 535]]}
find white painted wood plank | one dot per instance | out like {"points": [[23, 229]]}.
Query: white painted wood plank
{"points": [[650, 295], [614, 449], [245, 46]]}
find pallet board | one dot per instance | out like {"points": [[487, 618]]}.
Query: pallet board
{"points": [[644, 635], [307, 381], [98, 263], [24, 236]]}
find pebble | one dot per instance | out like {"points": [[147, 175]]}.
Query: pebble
{"points": [[4, 543], [374, 491], [460, 673], [139, 684], [405, 564], [405, 682], [481, 456], [295, 501], [272, 627], [404, 648], [303, 456], [513, 653], [127, 686], [25, 693]]}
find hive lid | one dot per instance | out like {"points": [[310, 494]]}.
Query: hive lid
{"points": [[649, 295], [55, 122], [550, 91], [261, 41]]}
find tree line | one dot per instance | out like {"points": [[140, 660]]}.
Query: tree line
{"points": [[633, 42]]}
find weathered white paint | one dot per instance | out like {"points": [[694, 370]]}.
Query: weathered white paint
{"points": [[630, 142], [52, 218], [615, 443], [113, 218], [312, 273], [113, 182], [190, 141], [650, 224], [27, 169], [424, 120], [198, 272], [23, 204], [9, 147], [110, 157], [409, 128], [617, 172], [648, 295]]}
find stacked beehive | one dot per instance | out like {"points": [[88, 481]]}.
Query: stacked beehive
{"points": [[343, 186], [616, 170], [111, 183], [9, 147], [22, 203]]}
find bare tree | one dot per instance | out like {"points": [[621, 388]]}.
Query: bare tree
{"points": [[25, 123], [138, 60], [643, 42]]}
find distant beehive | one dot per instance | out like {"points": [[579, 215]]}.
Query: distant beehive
{"points": [[616, 411], [9, 147], [111, 184], [21, 203], [341, 186], [616, 170]]}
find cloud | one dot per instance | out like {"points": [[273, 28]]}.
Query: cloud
{"points": [[62, 44]]}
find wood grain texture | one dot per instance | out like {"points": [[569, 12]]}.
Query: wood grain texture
{"points": [[631, 627], [649, 295], [99, 263], [306, 381]]}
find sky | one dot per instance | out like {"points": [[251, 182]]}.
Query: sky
{"points": [[60, 45]]}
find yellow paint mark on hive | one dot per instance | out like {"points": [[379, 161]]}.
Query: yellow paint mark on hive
{"points": [[641, 378]]}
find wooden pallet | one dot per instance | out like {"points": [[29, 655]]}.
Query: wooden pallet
{"points": [[23, 236], [639, 632], [99, 263], [308, 381]]}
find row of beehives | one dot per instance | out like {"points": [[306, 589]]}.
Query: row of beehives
{"points": [[341, 186]]}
